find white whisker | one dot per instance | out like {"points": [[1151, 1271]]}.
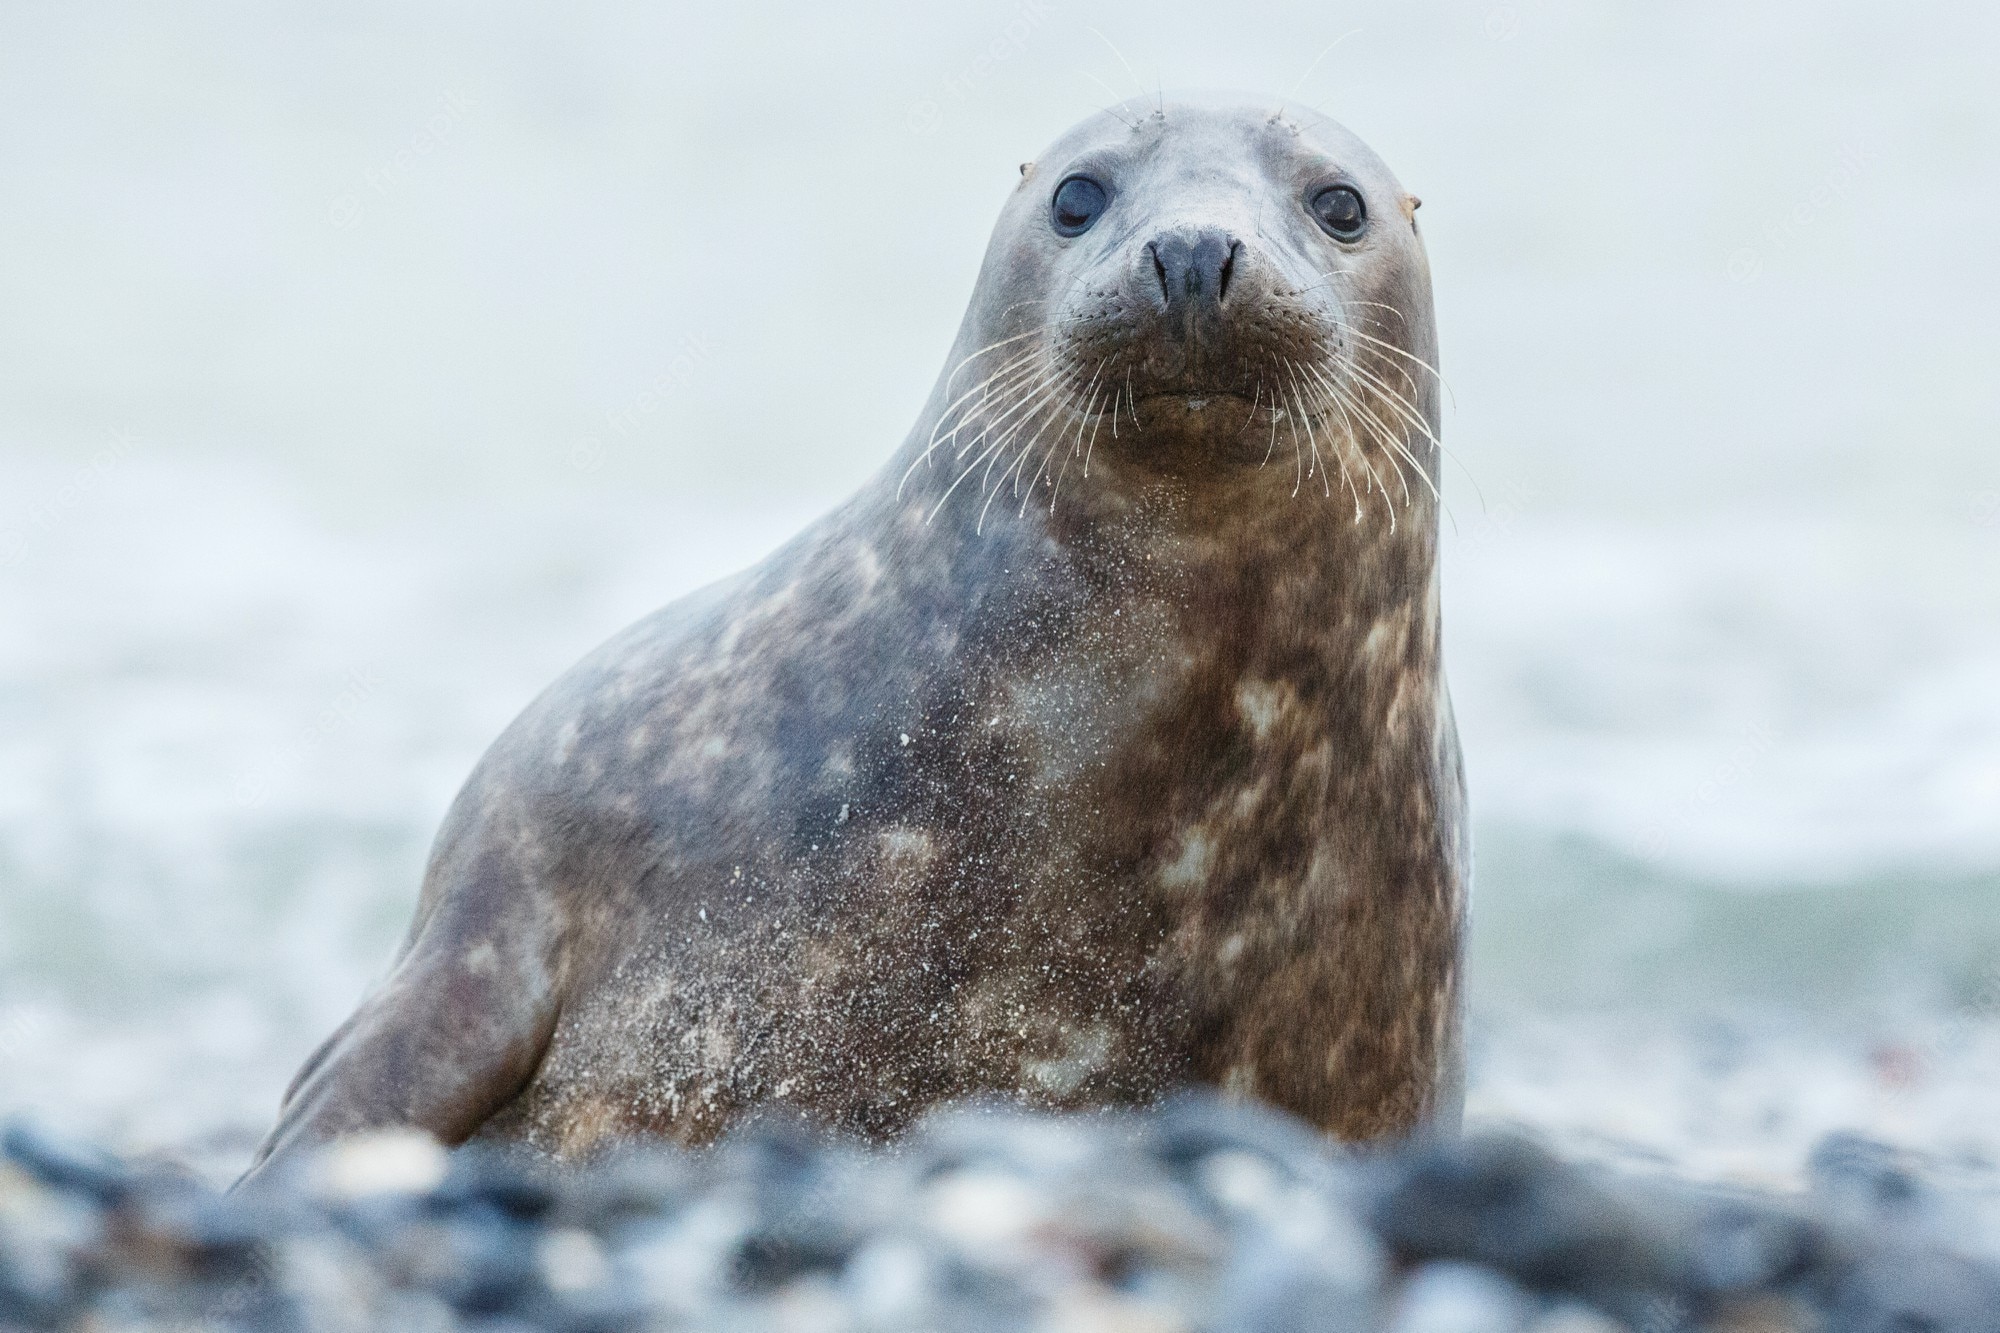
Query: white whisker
{"points": [[1312, 436], [1022, 394], [1096, 422], [1007, 377], [1402, 409], [1002, 342], [959, 411], [1381, 431]]}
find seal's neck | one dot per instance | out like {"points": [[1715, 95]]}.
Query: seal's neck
{"points": [[1143, 518], [1183, 589]]}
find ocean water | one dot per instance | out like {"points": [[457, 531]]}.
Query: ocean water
{"points": [[230, 730], [360, 370]]}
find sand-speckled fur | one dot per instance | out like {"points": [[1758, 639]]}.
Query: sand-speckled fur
{"points": [[1152, 780]]}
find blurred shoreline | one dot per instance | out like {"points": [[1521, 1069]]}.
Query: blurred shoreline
{"points": [[360, 370], [232, 728]]}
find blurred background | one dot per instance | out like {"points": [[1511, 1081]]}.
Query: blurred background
{"points": [[363, 364]]}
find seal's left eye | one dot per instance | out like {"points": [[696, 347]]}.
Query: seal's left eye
{"points": [[1078, 203], [1339, 209]]}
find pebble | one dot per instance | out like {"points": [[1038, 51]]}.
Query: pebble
{"points": [[1198, 1216]]}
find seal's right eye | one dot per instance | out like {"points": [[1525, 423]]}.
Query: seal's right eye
{"points": [[1340, 212], [1078, 203]]}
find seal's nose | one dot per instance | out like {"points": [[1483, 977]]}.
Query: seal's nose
{"points": [[1193, 269]]}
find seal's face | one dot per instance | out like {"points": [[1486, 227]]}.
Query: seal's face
{"points": [[1200, 290]]}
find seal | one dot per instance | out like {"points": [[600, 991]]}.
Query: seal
{"points": [[1098, 746]]}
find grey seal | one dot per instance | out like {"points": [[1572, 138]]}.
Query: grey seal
{"points": [[1098, 746]]}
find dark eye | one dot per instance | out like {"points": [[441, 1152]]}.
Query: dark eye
{"points": [[1078, 203], [1339, 209]]}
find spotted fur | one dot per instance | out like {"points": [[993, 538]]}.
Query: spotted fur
{"points": [[1144, 777]]}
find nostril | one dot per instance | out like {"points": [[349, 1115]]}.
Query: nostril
{"points": [[1209, 261], [1160, 272], [1228, 268]]}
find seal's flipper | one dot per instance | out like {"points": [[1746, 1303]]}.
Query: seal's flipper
{"points": [[457, 1029]]}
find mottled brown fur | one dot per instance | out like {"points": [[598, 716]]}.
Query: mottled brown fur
{"points": [[1078, 797]]}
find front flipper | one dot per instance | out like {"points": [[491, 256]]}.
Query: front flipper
{"points": [[453, 1034]]}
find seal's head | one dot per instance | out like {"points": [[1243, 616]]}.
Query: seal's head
{"points": [[1201, 290]]}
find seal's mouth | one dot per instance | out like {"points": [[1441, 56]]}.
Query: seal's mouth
{"points": [[1028, 414], [1198, 400]]}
